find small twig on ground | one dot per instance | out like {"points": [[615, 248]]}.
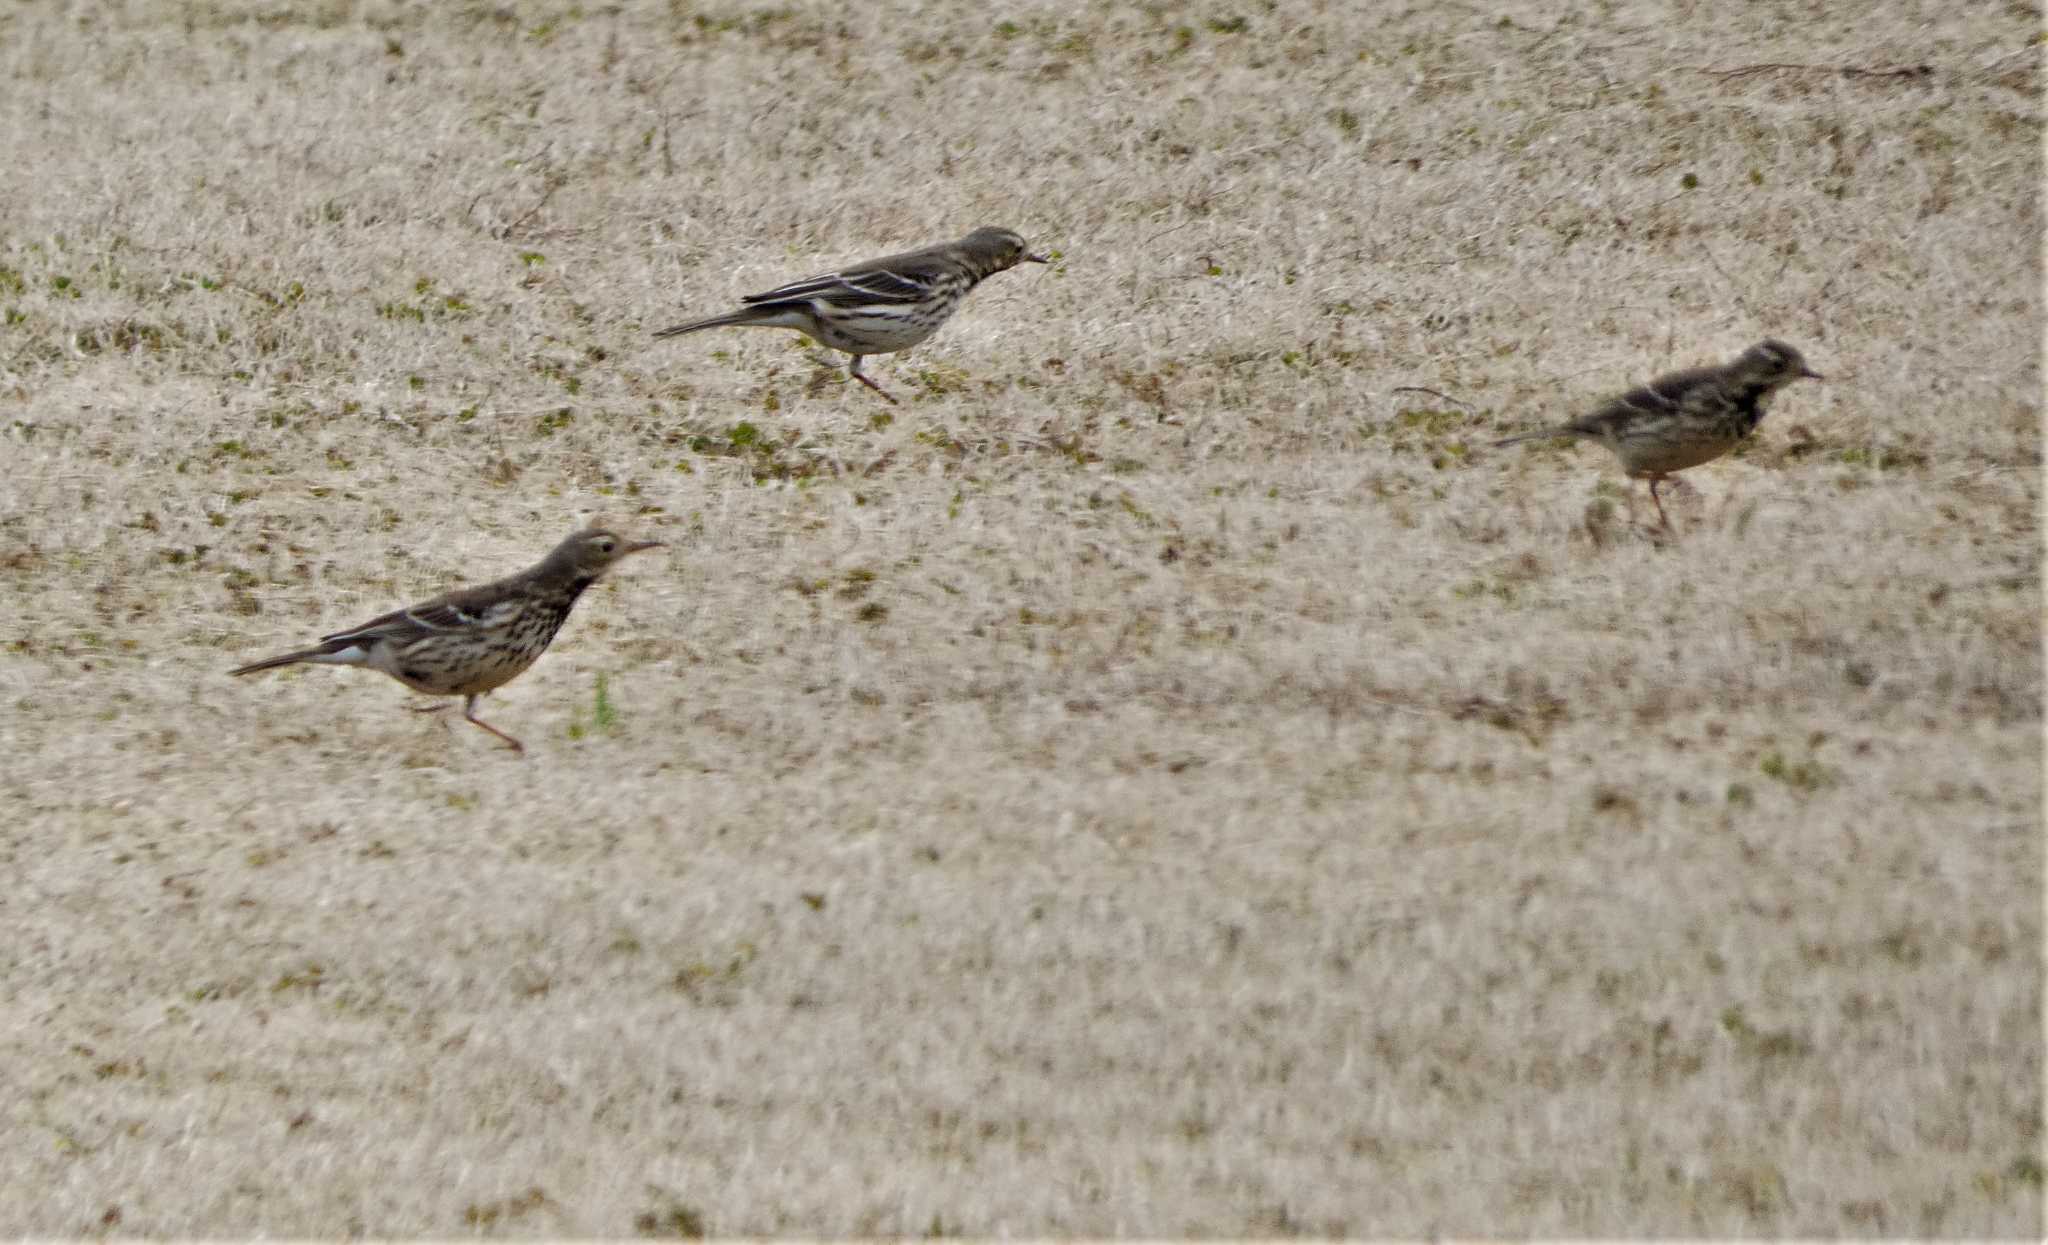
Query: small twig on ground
{"points": [[1431, 392], [554, 183], [1733, 288], [1546, 35], [1847, 71], [1388, 702], [1162, 233]]}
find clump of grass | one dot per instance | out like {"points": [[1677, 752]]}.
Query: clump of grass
{"points": [[937, 380], [1768, 1044], [489, 1214], [1807, 775], [676, 1219], [604, 715]]}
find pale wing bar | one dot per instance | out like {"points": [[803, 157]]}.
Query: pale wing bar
{"points": [[871, 285]]}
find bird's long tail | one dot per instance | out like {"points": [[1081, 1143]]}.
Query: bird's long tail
{"points": [[332, 653], [752, 315]]}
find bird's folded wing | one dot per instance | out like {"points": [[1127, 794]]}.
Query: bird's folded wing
{"points": [[1628, 410], [457, 614], [1660, 397], [442, 614], [383, 627], [1669, 391], [855, 288]]}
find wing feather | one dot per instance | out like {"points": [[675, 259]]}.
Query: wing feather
{"points": [[467, 610], [856, 287], [1662, 396]]}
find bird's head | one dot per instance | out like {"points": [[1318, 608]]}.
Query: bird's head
{"points": [[1772, 363], [591, 552], [993, 249]]}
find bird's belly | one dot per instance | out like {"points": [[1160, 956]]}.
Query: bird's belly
{"points": [[458, 665], [416, 666], [876, 332], [1660, 458], [495, 673]]}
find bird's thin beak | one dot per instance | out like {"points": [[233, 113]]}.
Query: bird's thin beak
{"points": [[639, 546], [1033, 257], [1810, 374]]}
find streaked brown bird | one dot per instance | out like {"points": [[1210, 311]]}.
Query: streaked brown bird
{"points": [[881, 306], [473, 640], [1686, 418]]}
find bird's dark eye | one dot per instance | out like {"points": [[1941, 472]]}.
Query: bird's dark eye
{"points": [[605, 545]]}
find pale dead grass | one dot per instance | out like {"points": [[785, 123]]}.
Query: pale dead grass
{"points": [[1166, 781]]}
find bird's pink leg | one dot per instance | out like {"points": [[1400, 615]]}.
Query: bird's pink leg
{"points": [[853, 370], [469, 715], [1662, 518]]}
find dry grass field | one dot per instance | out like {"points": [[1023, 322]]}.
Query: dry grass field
{"points": [[1166, 777]]}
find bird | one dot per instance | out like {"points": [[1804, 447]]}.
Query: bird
{"points": [[1685, 418], [472, 640], [883, 305]]}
